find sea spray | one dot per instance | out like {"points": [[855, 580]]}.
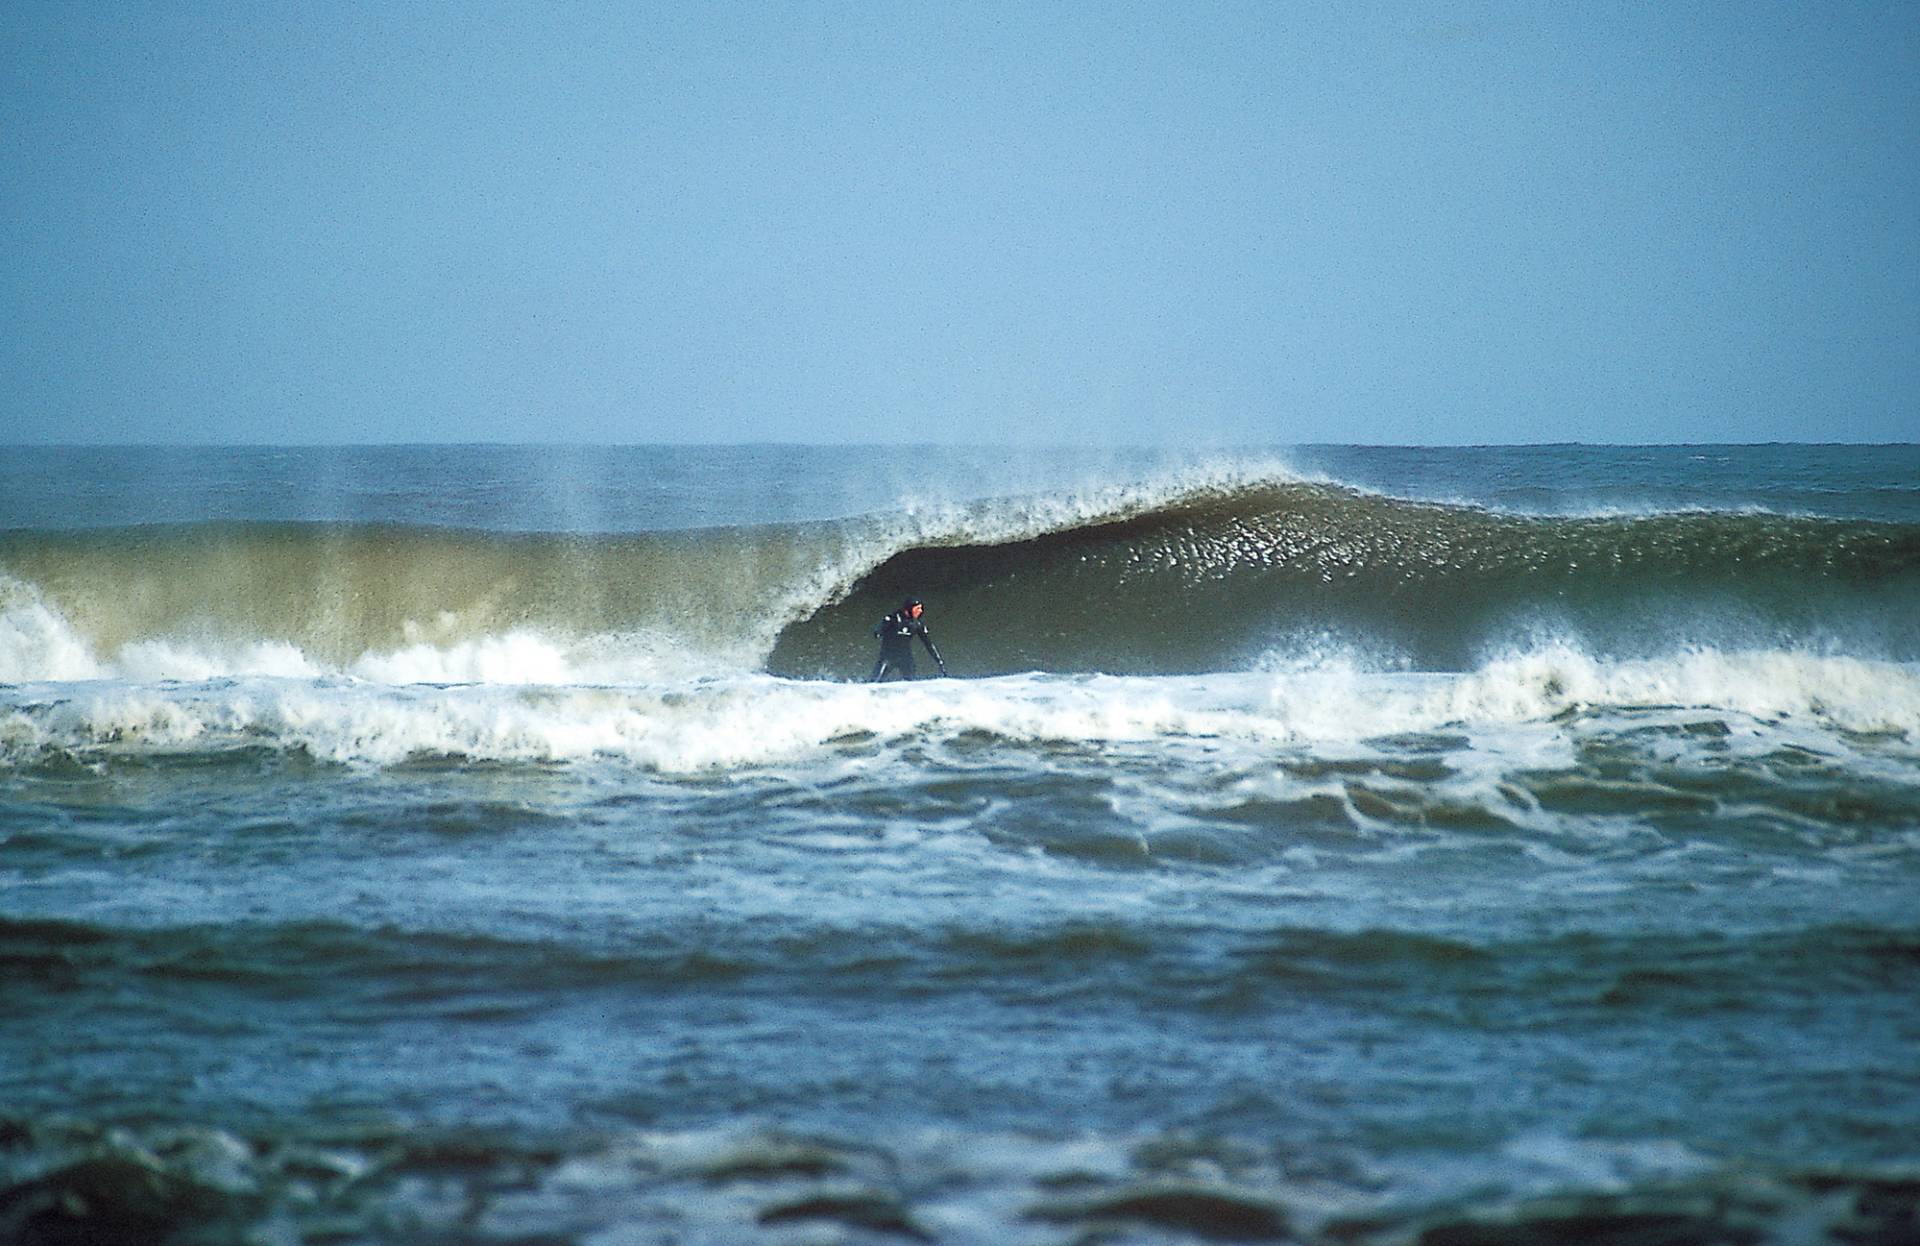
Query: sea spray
{"points": [[492, 844]]}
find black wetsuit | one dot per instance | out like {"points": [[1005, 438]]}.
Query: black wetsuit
{"points": [[896, 633]]}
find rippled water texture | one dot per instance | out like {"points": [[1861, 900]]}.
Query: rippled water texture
{"points": [[1340, 846]]}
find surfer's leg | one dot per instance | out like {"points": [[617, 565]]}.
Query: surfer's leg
{"points": [[879, 671]]}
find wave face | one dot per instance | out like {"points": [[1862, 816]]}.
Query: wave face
{"points": [[1185, 579], [1234, 578]]}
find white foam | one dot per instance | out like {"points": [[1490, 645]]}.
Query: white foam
{"points": [[1855, 694], [515, 658], [39, 645], [35, 642], [172, 660], [756, 720]]}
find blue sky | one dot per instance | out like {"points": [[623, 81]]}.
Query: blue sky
{"points": [[1106, 223]]}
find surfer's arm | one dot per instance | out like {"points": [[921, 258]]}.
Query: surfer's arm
{"points": [[926, 638]]}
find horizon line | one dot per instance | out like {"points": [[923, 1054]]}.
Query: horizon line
{"points": [[1237, 446]]}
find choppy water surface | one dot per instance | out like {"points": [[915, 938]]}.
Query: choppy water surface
{"points": [[1333, 845]]}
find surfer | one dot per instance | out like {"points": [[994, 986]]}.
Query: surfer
{"points": [[896, 633]]}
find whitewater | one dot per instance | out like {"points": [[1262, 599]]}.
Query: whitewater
{"points": [[1326, 843]]}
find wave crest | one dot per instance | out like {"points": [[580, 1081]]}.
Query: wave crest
{"points": [[1194, 573]]}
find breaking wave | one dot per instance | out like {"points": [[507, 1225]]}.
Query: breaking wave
{"points": [[1231, 579], [1189, 575]]}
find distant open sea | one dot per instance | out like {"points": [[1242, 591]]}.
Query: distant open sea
{"points": [[1330, 845]]}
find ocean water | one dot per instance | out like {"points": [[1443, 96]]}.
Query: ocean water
{"points": [[1330, 844]]}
